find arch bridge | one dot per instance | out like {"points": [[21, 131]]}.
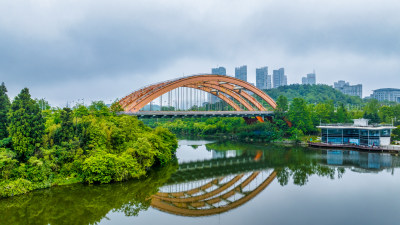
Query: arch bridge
{"points": [[192, 93]]}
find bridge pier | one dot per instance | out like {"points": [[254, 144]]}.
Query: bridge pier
{"points": [[262, 119], [250, 120]]}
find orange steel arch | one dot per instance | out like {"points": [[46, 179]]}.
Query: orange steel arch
{"points": [[138, 99], [223, 97], [191, 206], [244, 95], [227, 91]]}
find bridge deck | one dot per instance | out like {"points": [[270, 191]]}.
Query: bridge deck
{"points": [[174, 114]]}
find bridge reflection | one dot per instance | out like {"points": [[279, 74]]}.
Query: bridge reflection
{"points": [[214, 196], [208, 187]]}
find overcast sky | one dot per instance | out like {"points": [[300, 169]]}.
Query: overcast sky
{"points": [[67, 50]]}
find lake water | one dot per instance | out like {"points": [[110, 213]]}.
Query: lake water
{"points": [[230, 183]]}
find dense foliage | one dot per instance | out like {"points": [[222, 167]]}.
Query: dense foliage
{"points": [[293, 119], [233, 128], [4, 107], [26, 125], [313, 94], [85, 144], [306, 117]]}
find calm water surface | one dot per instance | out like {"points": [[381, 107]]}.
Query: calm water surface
{"points": [[230, 183]]}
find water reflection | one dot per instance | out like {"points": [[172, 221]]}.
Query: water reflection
{"points": [[83, 204], [212, 196], [227, 177], [362, 160]]}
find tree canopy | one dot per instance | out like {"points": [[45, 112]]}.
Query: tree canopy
{"points": [[314, 94], [26, 125], [4, 107]]}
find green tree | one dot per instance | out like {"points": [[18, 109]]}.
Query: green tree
{"points": [[26, 125], [324, 112], [43, 104], [66, 132], [396, 134], [313, 94], [7, 164], [281, 113], [98, 108], [80, 111], [282, 104], [386, 114], [116, 107], [342, 115], [371, 111], [300, 116], [4, 108]]}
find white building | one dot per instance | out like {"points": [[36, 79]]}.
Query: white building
{"points": [[359, 133], [346, 88], [387, 94]]}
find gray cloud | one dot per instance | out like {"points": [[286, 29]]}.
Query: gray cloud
{"points": [[84, 49]]}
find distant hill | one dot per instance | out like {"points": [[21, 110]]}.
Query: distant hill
{"points": [[313, 94]]}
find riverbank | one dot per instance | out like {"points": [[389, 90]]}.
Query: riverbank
{"points": [[23, 186], [90, 145]]}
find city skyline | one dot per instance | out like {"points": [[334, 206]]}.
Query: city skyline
{"points": [[101, 50]]}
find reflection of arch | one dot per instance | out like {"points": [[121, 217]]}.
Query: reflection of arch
{"points": [[188, 204], [213, 84]]}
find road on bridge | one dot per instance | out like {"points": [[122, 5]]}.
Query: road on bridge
{"points": [[182, 114]]}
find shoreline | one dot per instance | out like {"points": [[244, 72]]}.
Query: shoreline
{"points": [[374, 149]]}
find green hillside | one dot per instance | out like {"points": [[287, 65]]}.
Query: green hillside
{"points": [[313, 94]]}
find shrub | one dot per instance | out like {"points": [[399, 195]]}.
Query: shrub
{"points": [[7, 164], [105, 168], [37, 170], [16, 187]]}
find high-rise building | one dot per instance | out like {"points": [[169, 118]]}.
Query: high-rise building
{"points": [[346, 88], [340, 84], [276, 78], [218, 71], [241, 73], [387, 94], [263, 80], [279, 77], [269, 82], [284, 80], [309, 79]]}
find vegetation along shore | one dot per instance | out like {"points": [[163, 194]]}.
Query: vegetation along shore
{"points": [[42, 146]]}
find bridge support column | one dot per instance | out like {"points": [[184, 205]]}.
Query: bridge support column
{"points": [[260, 118]]}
